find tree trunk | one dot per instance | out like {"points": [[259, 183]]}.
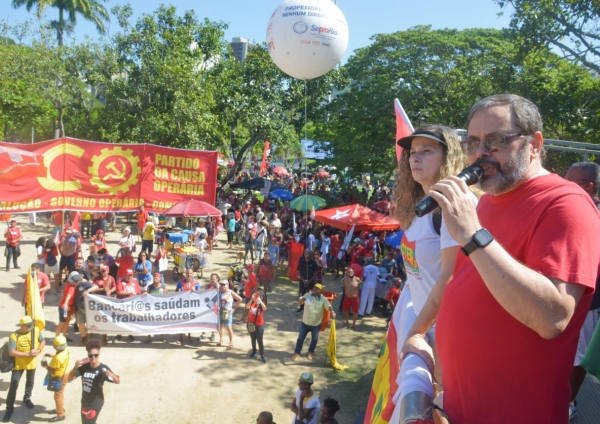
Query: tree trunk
{"points": [[239, 161]]}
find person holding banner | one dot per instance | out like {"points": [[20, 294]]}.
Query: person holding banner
{"points": [[24, 345], [127, 287], [93, 375], [229, 301], [189, 283], [143, 271], [157, 287], [212, 285]]}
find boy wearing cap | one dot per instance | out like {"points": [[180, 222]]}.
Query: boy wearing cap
{"points": [[306, 404], [58, 369], [13, 236], [25, 352], [314, 304]]}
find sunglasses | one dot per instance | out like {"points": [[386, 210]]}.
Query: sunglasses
{"points": [[93, 355]]}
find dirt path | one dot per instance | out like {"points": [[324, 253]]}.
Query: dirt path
{"points": [[200, 383]]}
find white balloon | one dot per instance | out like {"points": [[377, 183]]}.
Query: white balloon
{"points": [[307, 38]]}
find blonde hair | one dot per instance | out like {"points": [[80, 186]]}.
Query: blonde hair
{"points": [[407, 192]]}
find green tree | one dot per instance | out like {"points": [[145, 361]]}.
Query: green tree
{"points": [[570, 26], [90, 10], [438, 76]]}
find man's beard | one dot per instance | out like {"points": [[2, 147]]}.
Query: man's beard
{"points": [[507, 175]]}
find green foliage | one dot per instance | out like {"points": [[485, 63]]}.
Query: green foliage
{"points": [[570, 26], [438, 76]]}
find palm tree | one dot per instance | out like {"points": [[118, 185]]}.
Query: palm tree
{"points": [[91, 10]]}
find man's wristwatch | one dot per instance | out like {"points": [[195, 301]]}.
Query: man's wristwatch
{"points": [[481, 238]]}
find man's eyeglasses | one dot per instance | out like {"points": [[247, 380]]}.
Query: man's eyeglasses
{"points": [[492, 143]]}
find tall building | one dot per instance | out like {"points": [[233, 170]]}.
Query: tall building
{"points": [[240, 47]]}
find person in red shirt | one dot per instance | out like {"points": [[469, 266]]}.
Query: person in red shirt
{"points": [[105, 282], [43, 284], [141, 217], [57, 217], [354, 251], [256, 324], [13, 236], [125, 262], [127, 287], [99, 240], [250, 287], [334, 249], [393, 295], [66, 308]]}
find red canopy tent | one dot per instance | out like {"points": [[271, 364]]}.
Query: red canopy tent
{"points": [[344, 217]]}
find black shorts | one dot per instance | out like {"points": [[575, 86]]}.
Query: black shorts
{"points": [[67, 262], [230, 235]]}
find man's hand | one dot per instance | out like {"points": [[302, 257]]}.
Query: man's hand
{"points": [[460, 215], [416, 344]]}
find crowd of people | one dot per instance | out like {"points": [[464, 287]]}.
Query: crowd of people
{"points": [[513, 283]]}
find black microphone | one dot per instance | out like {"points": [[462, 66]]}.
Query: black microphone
{"points": [[470, 175]]}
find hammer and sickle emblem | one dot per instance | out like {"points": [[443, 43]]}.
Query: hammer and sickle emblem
{"points": [[118, 174]]}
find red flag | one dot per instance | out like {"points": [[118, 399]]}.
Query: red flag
{"points": [[265, 160], [75, 221], [403, 126]]}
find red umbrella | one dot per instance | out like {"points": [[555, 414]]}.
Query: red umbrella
{"points": [[231, 163], [281, 171], [192, 207], [16, 163], [322, 174], [382, 205]]}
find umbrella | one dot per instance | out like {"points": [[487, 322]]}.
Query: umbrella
{"points": [[307, 202], [382, 205], [281, 171], [281, 194], [394, 239], [192, 207], [322, 174], [16, 163]]}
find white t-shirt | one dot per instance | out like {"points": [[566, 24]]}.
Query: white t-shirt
{"points": [[421, 250], [40, 250], [261, 234], [197, 233], [310, 403], [370, 274]]}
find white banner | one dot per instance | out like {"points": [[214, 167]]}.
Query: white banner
{"points": [[167, 313]]}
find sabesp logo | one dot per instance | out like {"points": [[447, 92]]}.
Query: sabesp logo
{"points": [[323, 30]]}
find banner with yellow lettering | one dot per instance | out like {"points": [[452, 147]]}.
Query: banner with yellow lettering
{"points": [[92, 176]]}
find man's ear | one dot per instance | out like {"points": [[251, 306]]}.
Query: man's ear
{"points": [[537, 145]]}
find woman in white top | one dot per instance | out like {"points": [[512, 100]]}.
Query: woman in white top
{"points": [[431, 153], [200, 229], [127, 240]]}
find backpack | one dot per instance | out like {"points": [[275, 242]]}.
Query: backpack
{"points": [[50, 259], [238, 226], [7, 362], [248, 237]]}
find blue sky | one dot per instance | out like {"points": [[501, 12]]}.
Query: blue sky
{"points": [[249, 19]]}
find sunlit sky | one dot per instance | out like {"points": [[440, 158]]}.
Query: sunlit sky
{"points": [[249, 19]]}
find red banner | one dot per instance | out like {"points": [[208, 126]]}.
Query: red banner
{"points": [[90, 176]]}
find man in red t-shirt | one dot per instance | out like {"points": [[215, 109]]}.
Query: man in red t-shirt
{"points": [[105, 282], [141, 217], [13, 236], [65, 306], [125, 262], [509, 322], [127, 287], [43, 284]]}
